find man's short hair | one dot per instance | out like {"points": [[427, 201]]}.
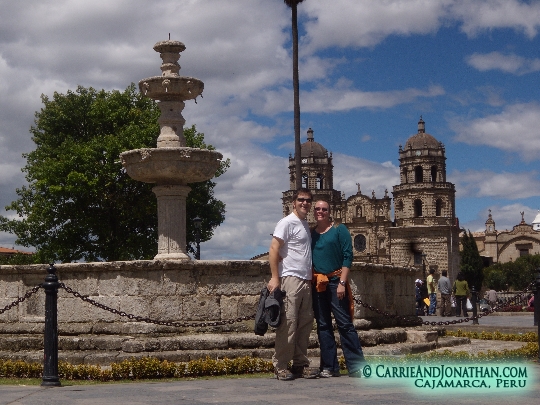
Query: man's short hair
{"points": [[444, 273], [302, 191], [431, 271]]}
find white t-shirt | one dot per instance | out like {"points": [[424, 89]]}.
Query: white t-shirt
{"points": [[296, 249]]}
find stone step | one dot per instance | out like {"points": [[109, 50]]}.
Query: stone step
{"points": [[106, 349], [152, 343], [106, 357]]}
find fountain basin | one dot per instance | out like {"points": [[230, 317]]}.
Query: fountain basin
{"points": [[171, 87], [171, 165]]}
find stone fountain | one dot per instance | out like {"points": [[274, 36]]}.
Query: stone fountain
{"points": [[172, 165]]}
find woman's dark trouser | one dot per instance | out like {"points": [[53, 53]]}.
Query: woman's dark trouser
{"points": [[325, 304], [461, 305]]}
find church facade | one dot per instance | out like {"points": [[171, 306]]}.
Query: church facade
{"points": [[506, 246], [424, 231]]}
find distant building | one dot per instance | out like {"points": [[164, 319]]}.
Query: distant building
{"points": [[505, 246], [6, 252]]}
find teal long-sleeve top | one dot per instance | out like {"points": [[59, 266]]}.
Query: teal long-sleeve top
{"points": [[331, 250]]}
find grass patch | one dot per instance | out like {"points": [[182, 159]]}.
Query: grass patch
{"points": [[508, 337]]}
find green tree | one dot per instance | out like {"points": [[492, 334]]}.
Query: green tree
{"points": [[516, 275], [79, 204], [494, 277], [471, 264]]}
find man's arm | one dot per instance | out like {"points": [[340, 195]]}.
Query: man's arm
{"points": [[274, 258], [432, 283]]}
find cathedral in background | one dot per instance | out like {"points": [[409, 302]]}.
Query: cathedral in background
{"points": [[424, 231]]}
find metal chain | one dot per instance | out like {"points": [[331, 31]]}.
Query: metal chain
{"points": [[15, 303], [149, 320], [413, 319]]}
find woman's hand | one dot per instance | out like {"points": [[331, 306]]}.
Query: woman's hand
{"points": [[340, 291]]}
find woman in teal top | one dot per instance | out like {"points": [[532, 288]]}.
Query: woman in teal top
{"points": [[332, 249], [332, 253]]}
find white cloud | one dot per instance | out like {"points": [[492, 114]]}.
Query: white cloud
{"points": [[365, 23], [330, 99], [510, 63], [505, 217], [485, 183], [481, 15], [372, 176], [516, 129]]}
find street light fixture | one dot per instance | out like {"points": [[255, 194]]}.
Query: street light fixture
{"points": [[197, 223]]}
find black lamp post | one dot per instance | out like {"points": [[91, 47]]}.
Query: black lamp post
{"points": [[424, 265], [197, 222]]}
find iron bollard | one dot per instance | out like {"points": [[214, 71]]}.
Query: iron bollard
{"points": [[50, 338], [474, 309]]}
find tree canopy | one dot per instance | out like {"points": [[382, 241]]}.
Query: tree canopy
{"points": [[516, 275], [79, 204], [471, 264]]}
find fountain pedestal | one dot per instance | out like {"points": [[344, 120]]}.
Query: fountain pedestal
{"points": [[172, 165], [171, 201]]}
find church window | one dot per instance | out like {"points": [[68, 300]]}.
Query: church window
{"points": [[417, 208], [319, 181], [405, 174], [433, 173], [418, 174], [305, 181], [523, 252], [360, 242], [400, 205], [438, 207], [418, 258]]}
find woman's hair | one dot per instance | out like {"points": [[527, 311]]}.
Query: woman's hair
{"points": [[460, 276]]}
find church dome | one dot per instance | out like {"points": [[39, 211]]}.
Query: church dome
{"points": [[312, 148], [536, 222], [422, 139]]}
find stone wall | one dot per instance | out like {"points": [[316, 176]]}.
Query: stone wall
{"points": [[174, 291]]}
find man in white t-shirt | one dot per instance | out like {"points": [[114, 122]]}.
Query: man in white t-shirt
{"points": [[290, 264]]}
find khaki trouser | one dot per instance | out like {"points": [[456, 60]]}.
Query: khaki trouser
{"points": [[446, 305], [292, 335]]}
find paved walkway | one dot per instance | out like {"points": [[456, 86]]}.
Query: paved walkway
{"points": [[343, 390], [519, 322]]}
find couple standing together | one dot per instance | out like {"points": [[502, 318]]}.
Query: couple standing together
{"points": [[297, 257]]}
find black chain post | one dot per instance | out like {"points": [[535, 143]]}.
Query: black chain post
{"points": [[474, 309], [50, 339]]}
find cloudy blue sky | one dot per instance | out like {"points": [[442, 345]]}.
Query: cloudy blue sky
{"points": [[368, 70]]}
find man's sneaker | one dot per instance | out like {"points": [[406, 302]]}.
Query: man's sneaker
{"points": [[328, 373], [305, 372], [356, 374], [284, 375]]}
